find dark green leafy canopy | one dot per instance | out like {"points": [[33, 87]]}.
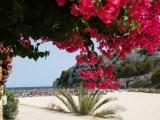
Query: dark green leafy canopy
{"points": [[35, 18]]}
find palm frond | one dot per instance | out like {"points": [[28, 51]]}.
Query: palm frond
{"points": [[100, 104], [69, 100], [81, 91], [58, 108], [83, 106], [94, 94], [87, 100], [94, 98], [105, 113], [108, 114], [83, 100], [67, 105]]}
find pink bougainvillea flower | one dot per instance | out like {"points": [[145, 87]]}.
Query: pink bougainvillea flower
{"points": [[61, 2], [87, 9], [75, 10]]}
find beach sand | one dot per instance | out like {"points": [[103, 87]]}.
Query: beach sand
{"points": [[138, 106]]}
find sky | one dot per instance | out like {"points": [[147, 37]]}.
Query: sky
{"points": [[30, 73]]}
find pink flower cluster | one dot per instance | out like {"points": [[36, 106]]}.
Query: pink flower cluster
{"points": [[92, 75], [101, 78], [25, 42], [5, 63], [128, 24], [97, 76], [90, 59], [74, 43], [61, 2], [106, 12]]}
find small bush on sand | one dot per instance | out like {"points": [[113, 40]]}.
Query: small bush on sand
{"points": [[88, 103], [10, 110]]}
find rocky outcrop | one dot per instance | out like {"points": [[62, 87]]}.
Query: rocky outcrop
{"points": [[132, 81], [71, 77]]}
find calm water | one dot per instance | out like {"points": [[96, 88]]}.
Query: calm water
{"points": [[28, 88]]}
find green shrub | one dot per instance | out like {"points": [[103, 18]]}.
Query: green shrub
{"points": [[147, 66], [144, 67], [88, 104], [128, 69], [155, 79], [140, 84], [10, 110], [62, 81]]}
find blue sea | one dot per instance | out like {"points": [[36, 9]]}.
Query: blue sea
{"points": [[28, 88]]}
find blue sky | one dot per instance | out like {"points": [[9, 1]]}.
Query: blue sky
{"points": [[30, 73]]}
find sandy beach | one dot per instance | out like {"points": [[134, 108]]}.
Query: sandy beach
{"points": [[138, 106]]}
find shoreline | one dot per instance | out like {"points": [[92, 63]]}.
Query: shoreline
{"points": [[53, 91]]}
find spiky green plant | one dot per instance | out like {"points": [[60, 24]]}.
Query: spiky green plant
{"points": [[89, 103]]}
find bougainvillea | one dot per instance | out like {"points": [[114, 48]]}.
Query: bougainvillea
{"points": [[25, 42], [124, 26], [5, 62], [117, 27]]}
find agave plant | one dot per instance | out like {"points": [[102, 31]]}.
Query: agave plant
{"points": [[89, 103]]}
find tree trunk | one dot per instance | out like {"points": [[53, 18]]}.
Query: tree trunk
{"points": [[1, 93]]}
